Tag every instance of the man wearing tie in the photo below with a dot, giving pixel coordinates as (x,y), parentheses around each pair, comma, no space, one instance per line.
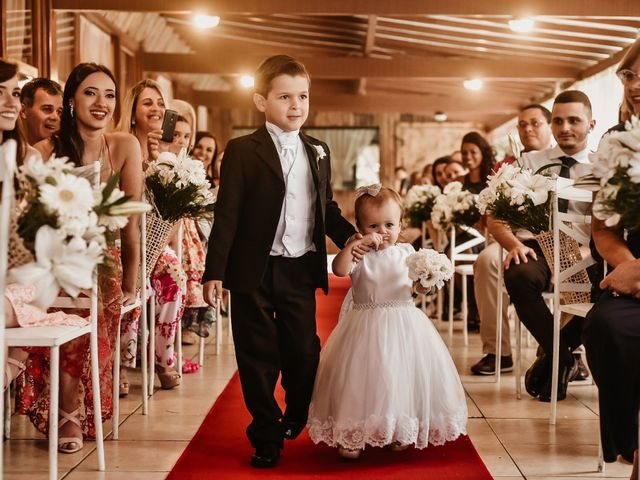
(527,274)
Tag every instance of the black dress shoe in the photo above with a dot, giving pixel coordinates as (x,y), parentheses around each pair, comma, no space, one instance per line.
(565,375)
(291,429)
(266,456)
(583,371)
(487,365)
(537,375)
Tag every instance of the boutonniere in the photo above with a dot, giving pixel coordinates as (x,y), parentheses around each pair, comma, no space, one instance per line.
(320,153)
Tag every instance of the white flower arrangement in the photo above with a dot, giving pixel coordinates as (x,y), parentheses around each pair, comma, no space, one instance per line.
(62,222)
(429,268)
(178,187)
(454,207)
(320,153)
(518,197)
(418,203)
(616,165)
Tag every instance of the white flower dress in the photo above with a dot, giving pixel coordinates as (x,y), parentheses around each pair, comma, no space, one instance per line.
(385,375)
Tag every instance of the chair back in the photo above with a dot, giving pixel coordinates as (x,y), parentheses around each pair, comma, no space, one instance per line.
(571,282)
(457,249)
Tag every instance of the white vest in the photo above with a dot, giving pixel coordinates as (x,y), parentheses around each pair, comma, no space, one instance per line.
(294,235)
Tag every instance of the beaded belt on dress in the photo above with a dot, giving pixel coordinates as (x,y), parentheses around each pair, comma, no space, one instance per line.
(389,304)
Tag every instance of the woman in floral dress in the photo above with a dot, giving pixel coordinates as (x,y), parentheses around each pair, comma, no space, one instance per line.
(89,102)
(142,115)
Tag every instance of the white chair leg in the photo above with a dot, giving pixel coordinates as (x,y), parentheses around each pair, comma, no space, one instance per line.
(465,311)
(499,319)
(144,351)
(218,329)
(518,372)
(555,370)
(7,412)
(230,331)
(439,305)
(201,352)
(152,341)
(95,379)
(53,412)
(115,419)
(179,346)
(601,464)
(451,294)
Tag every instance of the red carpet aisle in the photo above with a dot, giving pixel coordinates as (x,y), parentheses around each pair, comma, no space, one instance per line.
(220,450)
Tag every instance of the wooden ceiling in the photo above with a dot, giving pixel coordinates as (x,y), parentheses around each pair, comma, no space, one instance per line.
(383,56)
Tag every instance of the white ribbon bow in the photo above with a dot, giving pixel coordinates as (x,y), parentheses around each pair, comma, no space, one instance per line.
(372,190)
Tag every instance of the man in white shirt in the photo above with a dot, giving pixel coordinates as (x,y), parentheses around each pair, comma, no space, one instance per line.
(527,274)
(534,130)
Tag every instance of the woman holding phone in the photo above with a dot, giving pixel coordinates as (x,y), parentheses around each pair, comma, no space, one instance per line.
(142,115)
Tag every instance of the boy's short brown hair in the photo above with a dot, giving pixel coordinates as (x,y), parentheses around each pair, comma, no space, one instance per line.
(275,66)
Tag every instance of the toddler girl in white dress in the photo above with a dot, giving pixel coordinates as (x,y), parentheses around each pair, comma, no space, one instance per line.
(385,376)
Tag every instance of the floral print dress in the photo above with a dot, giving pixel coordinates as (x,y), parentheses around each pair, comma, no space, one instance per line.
(169,284)
(32,396)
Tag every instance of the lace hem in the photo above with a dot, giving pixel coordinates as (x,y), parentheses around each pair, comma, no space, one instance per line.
(389,304)
(379,431)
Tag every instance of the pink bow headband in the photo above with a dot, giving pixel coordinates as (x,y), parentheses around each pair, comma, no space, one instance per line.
(372,190)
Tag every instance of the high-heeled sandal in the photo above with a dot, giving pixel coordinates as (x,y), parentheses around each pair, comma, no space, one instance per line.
(69,444)
(9,376)
(124,384)
(169,378)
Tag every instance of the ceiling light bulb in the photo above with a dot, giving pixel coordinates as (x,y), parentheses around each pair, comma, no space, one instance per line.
(440,117)
(247,81)
(521,25)
(473,84)
(206,21)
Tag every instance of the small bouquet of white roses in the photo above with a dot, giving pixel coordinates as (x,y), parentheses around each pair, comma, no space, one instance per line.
(58,232)
(178,187)
(616,165)
(429,269)
(419,202)
(518,197)
(455,207)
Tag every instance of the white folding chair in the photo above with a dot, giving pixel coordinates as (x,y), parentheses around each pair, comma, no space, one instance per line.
(567,224)
(8,153)
(464,270)
(53,337)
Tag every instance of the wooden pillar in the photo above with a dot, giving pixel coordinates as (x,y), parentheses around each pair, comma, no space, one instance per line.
(43,38)
(3,29)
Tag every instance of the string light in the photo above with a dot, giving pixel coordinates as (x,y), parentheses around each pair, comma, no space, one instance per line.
(206,21)
(473,84)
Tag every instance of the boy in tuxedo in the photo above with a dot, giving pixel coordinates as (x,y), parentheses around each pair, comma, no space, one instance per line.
(267,246)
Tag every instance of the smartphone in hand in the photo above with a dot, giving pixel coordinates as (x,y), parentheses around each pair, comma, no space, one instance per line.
(169,125)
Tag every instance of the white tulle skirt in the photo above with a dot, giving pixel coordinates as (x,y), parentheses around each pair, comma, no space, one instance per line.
(386,376)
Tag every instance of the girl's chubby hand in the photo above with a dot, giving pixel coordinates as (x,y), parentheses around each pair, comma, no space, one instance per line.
(374,240)
(420,289)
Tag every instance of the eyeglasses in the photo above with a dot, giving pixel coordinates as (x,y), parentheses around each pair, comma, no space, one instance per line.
(533,123)
(627,76)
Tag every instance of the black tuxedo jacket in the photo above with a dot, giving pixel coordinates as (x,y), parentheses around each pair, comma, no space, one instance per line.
(248,208)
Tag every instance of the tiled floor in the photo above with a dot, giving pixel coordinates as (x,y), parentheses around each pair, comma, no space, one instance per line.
(513,436)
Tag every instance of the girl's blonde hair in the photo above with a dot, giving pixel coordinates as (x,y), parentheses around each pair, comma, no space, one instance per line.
(185,110)
(384,195)
(126,123)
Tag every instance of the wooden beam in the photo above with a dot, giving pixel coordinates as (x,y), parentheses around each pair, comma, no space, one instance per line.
(232,63)
(370,40)
(369,7)
(372,103)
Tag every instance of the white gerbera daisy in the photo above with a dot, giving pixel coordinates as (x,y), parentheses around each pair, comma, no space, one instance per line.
(71,196)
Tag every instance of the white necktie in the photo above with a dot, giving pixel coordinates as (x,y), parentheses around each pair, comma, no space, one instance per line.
(288,144)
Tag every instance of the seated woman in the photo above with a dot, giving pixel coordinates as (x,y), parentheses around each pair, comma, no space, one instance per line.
(611,332)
